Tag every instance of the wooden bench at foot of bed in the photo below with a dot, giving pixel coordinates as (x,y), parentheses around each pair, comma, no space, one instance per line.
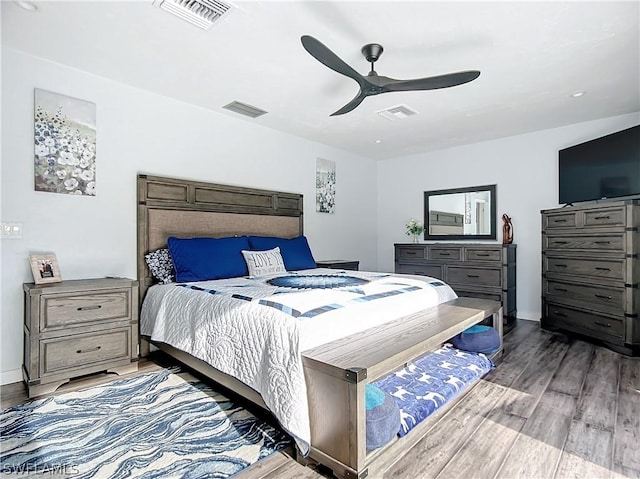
(336,374)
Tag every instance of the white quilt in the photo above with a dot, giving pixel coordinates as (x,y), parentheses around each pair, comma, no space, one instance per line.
(256,332)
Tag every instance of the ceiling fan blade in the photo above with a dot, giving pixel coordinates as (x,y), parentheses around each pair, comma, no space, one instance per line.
(430,83)
(321,52)
(351,105)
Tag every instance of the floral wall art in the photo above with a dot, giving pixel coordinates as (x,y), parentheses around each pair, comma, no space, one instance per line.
(65,144)
(325,186)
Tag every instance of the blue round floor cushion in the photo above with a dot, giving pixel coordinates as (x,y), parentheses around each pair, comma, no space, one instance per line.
(477,339)
(324,281)
(382,417)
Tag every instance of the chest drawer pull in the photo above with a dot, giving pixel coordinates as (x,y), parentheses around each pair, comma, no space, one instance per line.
(559,221)
(90,350)
(473,276)
(483,254)
(90,308)
(561,242)
(606,325)
(601,217)
(598,268)
(603,242)
(561,266)
(444,254)
(560,289)
(558,313)
(603,296)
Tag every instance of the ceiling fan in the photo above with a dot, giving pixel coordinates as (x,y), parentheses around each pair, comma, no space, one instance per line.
(374,84)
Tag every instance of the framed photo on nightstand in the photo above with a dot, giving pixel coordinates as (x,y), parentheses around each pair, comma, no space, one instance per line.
(44,267)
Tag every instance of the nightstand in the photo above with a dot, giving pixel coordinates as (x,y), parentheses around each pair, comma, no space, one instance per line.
(78,327)
(339,264)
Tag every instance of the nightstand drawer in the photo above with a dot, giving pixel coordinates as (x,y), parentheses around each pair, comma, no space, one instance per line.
(70,352)
(474,276)
(66,310)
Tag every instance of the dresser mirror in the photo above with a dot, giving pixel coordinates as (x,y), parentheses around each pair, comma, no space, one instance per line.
(460,213)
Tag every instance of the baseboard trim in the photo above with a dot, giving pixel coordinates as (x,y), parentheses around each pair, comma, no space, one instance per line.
(11,376)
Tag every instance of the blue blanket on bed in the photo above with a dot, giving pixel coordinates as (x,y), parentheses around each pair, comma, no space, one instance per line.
(426,384)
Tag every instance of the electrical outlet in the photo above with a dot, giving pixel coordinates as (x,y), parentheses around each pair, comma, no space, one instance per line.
(11,230)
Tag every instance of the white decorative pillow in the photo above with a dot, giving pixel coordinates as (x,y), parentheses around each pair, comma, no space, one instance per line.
(260,263)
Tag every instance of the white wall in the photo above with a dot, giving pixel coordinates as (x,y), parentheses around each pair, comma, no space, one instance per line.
(140,132)
(525,169)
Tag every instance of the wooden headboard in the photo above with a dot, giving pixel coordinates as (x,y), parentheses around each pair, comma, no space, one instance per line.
(184,208)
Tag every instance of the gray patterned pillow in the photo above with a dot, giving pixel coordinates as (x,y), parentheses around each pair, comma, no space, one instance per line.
(160,265)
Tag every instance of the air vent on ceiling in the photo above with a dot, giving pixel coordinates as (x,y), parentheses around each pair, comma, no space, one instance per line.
(397,112)
(244,109)
(201,13)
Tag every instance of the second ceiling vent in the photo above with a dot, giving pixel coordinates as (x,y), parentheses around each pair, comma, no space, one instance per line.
(201,13)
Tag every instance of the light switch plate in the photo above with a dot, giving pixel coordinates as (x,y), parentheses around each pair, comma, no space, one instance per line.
(11,230)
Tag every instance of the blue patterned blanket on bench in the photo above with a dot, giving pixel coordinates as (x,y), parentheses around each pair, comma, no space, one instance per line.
(426,384)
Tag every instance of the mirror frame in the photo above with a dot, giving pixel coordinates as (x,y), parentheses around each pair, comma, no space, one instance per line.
(470,237)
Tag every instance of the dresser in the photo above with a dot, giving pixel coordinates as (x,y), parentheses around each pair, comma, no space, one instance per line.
(347,264)
(78,327)
(591,272)
(476,270)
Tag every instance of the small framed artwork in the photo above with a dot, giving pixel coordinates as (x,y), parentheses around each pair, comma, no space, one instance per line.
(44,267)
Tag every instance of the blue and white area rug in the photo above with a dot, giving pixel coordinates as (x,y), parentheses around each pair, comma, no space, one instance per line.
(156,425)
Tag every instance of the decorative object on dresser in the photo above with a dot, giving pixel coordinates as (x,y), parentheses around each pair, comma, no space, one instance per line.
(414,229)
(591,272)
(347,264)
(460,214)
(507,230)
(44,267)
(486,271)
(78,327)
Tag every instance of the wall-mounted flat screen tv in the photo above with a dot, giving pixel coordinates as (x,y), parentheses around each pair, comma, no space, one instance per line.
(607,167)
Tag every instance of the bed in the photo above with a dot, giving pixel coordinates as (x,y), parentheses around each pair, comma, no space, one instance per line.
(329,375)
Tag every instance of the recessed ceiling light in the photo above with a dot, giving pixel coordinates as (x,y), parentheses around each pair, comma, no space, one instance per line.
(577,94)
(27,5)
(378,141)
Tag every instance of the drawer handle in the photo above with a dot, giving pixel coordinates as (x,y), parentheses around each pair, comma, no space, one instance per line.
(473,276)
(90,350)
(444,254)
(421,273)
(560,289)
(606,325)
(603,242)
(483,254)
(601,218)
(602,269)
(558,313)
(603,296)
(560,242)
(411,253)
(90,308)
(559,221)
(561,266)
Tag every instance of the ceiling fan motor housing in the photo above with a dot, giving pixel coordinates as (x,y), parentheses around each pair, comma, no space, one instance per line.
(372,51)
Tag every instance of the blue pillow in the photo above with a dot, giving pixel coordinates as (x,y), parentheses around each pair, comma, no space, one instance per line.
(477,339)
(295,251)
(200,259)
(382,417)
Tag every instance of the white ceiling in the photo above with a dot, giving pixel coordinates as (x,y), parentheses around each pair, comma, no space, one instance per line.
(532,56)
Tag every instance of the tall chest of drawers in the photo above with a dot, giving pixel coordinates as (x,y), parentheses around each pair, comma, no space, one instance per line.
(78,327)
(591,272)
(476,270)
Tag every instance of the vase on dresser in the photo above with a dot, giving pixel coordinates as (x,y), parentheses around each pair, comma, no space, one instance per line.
(415,238)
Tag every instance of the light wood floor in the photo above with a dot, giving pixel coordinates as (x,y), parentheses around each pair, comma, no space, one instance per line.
(554,408)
